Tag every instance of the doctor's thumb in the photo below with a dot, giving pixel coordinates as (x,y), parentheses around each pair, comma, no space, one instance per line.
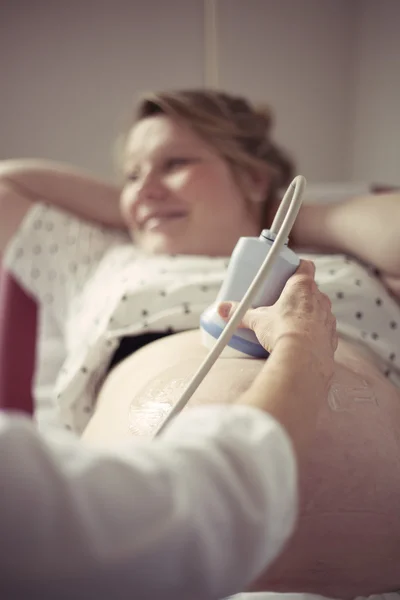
(226,310)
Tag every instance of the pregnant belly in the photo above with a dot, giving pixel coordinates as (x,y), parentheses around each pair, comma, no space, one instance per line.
(139,392)
(347,541)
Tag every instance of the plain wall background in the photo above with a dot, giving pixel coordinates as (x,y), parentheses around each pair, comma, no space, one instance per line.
(376,146)
(71,72)
(298,56)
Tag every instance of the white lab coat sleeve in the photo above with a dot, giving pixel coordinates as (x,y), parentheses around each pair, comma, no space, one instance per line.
(194,515)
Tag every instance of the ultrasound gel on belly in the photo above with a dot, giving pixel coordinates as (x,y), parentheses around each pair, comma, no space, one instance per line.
(148,411)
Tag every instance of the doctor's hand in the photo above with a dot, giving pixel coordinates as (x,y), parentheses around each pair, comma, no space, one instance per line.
(301,314)
(300,332)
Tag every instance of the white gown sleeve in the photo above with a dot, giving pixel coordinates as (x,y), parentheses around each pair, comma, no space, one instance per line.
(194,515)
(54,253)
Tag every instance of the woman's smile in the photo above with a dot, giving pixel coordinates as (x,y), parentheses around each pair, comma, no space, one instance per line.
(163,222)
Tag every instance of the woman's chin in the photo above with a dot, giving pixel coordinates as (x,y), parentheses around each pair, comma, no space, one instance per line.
(160,244)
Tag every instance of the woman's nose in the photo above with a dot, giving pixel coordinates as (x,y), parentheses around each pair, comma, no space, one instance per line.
(150,187)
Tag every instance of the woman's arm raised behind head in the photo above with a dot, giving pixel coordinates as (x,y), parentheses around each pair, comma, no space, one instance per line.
(23,182)
(366,227)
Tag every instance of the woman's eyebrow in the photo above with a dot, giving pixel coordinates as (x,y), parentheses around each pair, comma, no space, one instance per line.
(177,147)
(133,157)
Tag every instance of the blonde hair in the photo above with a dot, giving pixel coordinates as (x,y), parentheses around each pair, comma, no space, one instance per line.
(239,131)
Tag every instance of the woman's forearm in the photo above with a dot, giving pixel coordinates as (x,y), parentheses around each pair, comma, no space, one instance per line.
(291,387)
(366,227)
(65,187)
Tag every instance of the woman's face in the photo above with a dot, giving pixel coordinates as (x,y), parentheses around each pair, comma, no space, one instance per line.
(179,196)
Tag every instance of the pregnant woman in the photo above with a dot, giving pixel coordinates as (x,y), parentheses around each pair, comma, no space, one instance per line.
(200,171)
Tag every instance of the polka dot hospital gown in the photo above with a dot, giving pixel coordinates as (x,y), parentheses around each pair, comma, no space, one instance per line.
(92,287)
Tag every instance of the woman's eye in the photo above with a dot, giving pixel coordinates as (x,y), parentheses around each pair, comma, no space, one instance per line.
(174,163)
(133,176)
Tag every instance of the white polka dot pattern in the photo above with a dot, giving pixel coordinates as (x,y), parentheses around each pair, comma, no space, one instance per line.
(364,309)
